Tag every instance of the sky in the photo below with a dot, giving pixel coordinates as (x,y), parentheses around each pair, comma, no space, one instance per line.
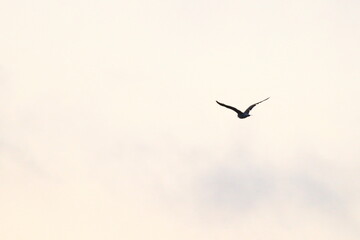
(109,127)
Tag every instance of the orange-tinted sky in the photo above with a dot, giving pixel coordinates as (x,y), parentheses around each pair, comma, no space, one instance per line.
(109,127)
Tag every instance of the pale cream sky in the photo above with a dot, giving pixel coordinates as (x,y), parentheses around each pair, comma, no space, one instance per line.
(109,127)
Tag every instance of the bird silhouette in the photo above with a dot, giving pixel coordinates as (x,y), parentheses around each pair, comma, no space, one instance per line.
(240,113)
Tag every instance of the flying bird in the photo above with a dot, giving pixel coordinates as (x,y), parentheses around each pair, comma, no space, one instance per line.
(240,113)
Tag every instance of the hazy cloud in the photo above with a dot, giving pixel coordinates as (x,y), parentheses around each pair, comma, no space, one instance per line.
(110,129)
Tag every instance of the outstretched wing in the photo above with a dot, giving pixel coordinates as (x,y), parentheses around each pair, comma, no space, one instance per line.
(230,107)
(252,106)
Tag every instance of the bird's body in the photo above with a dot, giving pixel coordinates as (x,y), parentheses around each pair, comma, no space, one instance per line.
(240,113)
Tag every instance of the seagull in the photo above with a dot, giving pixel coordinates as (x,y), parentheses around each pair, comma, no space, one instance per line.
(240,113)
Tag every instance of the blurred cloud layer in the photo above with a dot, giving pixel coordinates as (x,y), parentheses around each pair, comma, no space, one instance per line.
(110,129)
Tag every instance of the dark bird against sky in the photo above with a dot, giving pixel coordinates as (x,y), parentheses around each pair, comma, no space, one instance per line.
(240,113)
